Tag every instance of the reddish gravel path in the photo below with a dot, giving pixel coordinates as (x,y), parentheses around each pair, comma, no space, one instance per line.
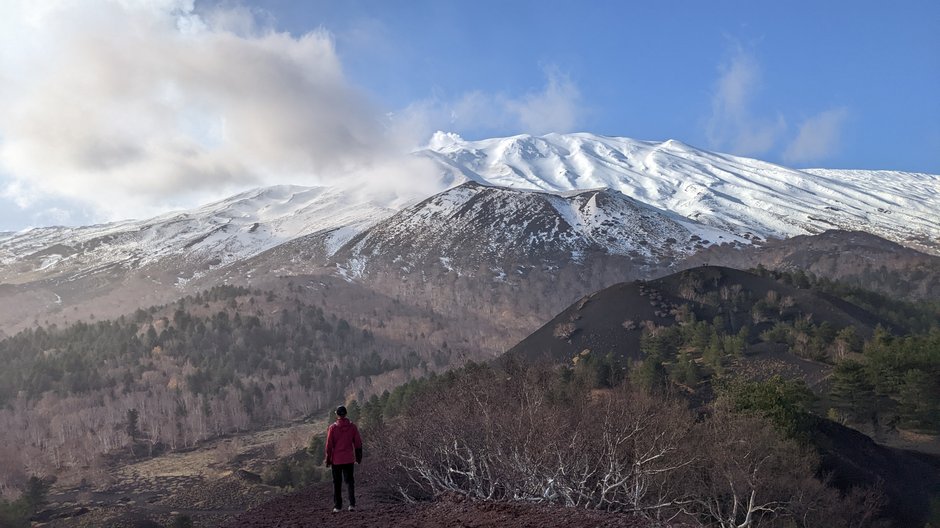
(311,508)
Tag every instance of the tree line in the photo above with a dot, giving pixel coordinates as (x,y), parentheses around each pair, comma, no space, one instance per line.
(226,360)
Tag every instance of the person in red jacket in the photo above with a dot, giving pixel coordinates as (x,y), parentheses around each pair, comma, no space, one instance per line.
(343,447)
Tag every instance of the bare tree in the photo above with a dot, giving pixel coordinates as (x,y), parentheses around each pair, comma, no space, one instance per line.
(617,451)
(522,438)
(750,474)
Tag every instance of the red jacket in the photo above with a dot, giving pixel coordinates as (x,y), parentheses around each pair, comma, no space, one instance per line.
(343,442)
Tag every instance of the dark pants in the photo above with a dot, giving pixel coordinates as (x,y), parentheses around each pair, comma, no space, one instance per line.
(343,472)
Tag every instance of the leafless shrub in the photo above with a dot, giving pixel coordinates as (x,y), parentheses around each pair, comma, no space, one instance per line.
(523,438)
(292,442)
(754,477)
(225,451)
(564,330)
(83,497)
(616,451)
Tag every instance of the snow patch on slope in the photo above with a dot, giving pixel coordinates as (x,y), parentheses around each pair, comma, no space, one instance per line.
(215,235)
(473,226)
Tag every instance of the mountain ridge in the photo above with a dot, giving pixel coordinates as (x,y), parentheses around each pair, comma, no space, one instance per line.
(677,199)
(490,226)
(738,194)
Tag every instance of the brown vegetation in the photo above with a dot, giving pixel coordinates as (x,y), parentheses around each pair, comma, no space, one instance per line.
(531,436)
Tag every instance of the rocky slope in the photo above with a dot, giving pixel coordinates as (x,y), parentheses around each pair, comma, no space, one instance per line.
(474,227)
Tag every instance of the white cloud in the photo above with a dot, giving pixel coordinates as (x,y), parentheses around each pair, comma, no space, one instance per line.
(134,106)
(557,108)
(818,137)
(554,107)
(733,124)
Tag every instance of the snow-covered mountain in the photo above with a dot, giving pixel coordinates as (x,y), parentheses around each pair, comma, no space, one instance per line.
(547,201)
(735,197)
(740,195)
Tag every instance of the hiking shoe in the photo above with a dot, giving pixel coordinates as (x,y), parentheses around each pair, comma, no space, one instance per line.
(336,510)
(352,508)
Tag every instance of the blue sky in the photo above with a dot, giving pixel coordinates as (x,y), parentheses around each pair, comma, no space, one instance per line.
(116,109)
(650,70)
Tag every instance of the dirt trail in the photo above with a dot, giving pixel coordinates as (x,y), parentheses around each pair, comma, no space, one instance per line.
(311,508)
(211,460)
(201,483)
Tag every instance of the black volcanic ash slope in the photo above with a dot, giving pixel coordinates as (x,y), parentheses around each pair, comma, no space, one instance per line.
(612,320)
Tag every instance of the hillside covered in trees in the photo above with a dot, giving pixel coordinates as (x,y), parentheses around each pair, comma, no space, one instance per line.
(738,388)
(867,356)
(226,360)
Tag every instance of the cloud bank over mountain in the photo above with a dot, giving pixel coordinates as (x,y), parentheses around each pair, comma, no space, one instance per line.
(122,105)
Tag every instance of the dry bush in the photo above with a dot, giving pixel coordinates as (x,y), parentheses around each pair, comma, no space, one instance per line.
(84,497)
(12,475)
(529,437)
(564,330)
(293,441)
(519,441)
(754,477)
(225,451)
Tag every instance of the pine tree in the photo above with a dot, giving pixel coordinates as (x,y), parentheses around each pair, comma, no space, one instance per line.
(131,426)
(919,400)
(354,410)
(37,489)
(317,448)
(852,392)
